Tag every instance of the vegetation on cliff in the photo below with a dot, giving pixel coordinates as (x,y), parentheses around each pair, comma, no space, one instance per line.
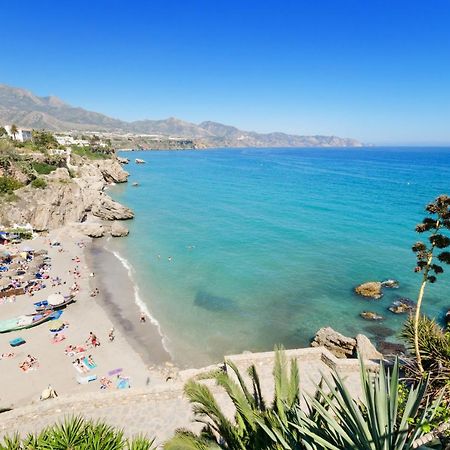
(435,224)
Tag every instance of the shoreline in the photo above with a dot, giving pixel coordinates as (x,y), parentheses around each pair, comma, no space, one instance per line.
(119,302)
(136,350)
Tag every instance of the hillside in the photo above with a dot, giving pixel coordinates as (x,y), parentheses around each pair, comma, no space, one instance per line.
(27,110)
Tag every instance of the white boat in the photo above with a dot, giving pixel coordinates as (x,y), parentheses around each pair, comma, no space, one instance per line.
(139,161)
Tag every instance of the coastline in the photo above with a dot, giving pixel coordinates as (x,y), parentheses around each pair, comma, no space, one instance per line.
(118,300)
(136,349)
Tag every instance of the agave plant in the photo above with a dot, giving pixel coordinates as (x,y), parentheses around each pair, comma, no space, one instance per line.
(77,433)
(374,422)
(252,415)
(434,345)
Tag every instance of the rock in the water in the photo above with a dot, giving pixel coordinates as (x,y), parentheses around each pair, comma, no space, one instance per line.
(341,346)
(108,209)
(371,289)
(370,315)
(123,160)
(92,229)
(118,230)
(391,348)
(402,305)
(366,349)
(391,284)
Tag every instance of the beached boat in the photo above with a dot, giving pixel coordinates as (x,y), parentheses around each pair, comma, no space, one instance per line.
(54,302)
(139,161)
(26,321)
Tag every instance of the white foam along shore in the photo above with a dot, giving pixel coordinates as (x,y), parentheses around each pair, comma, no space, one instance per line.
(133,344)
(137,298)
(122,301)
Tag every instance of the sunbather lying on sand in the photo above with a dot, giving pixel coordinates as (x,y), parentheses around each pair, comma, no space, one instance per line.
(105,383)
(80,366)
(72,350)
(30,363)
(58,338)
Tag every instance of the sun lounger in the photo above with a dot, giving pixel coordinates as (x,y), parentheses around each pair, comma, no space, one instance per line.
(114,372)
(86,380)
(78,368)
(87,364)
(123,383)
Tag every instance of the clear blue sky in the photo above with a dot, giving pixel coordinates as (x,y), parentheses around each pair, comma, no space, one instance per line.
(378,71)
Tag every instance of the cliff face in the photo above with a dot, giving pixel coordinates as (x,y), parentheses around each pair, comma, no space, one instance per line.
(66,200)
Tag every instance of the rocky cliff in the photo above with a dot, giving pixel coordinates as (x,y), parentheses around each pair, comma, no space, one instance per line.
(73,197)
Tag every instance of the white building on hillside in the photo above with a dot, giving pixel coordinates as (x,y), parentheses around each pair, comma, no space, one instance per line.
(21,135)
(64,139)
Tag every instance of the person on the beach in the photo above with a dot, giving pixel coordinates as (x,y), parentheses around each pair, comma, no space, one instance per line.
(142,318)
(94,341)
(111,335)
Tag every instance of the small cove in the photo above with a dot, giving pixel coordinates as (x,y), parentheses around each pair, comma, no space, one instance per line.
(241,249)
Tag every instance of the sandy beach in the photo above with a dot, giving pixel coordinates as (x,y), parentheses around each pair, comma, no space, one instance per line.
(135,355)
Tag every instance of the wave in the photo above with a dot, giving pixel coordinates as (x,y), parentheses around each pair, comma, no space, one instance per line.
(138,300)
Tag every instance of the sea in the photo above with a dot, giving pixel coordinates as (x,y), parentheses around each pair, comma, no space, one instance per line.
(236,250)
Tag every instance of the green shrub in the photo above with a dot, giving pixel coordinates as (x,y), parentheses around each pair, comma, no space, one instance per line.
(43,168)
(78,434)
(44,140)
(39,183)
(89,153)
(9,184)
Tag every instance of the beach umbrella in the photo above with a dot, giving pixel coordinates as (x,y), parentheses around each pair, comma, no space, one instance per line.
(55,299)
(26,249)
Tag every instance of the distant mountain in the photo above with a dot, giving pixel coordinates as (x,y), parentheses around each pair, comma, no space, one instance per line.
(27,110)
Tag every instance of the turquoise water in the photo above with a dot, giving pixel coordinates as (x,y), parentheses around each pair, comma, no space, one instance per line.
(267,244)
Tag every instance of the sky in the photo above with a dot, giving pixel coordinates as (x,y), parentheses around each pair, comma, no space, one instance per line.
(374,70)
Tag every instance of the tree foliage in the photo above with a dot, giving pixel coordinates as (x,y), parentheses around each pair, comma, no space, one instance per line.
(44,140)
(435,224)
(434,345)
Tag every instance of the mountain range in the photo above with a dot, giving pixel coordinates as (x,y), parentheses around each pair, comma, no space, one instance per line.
(28,110)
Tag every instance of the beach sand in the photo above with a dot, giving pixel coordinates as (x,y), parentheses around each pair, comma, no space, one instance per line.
(136,348)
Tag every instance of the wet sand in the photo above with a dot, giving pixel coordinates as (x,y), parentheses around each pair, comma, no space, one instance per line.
(117,300)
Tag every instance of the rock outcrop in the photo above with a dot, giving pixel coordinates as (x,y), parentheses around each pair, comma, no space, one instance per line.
(391,284)
(370,289)
(92,229)
(365,348)
(118,230)
(341,346)
(370,315)
(112,171)
(106,208)
(66,200)
(402,305)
